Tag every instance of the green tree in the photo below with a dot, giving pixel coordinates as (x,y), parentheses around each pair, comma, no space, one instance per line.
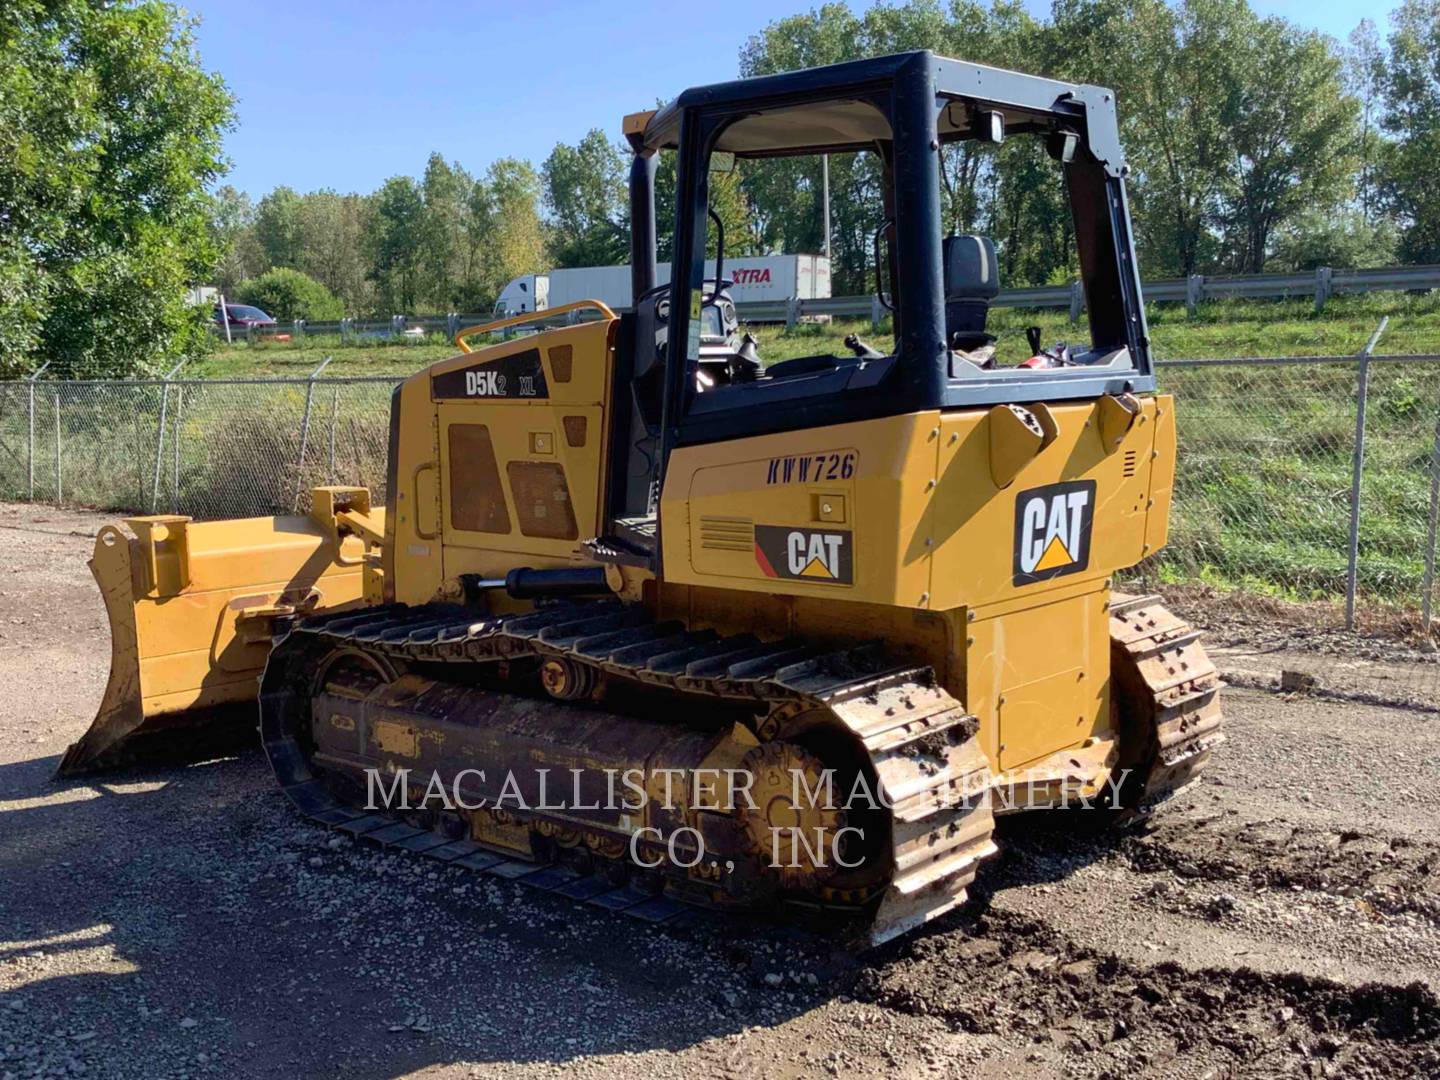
(277,227)
(286,294)
(585,196)
(1365,71)
(110,134)
(447,190)
(395,242)
(1339,238)
(1170,68)
(506,236)
(1233,125)
(331,230)
(232,228)
(1291,131)
(1412,119)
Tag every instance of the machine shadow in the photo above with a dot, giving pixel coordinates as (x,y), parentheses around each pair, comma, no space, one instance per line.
(195,891)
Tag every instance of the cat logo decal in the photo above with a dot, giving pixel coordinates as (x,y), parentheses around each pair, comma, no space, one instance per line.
(819,555)
(1052,530)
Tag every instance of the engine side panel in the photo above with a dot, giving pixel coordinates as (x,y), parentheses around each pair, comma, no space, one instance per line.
(838,512)
(500,459)
(908,510)
(1017,573)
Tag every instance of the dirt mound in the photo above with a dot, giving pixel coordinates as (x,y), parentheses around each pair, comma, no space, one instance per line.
(1105,1017)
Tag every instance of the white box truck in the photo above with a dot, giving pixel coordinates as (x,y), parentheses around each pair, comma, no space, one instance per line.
(767,278)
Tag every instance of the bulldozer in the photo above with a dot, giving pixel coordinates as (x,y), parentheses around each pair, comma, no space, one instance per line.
(655,624)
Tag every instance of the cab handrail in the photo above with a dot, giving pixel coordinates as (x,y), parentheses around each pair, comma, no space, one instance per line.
(527,317)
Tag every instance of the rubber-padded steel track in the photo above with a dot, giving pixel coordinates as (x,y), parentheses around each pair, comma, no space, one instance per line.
(1168,682)
(920,741)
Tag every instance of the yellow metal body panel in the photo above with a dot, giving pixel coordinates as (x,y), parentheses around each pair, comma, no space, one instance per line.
(926,524)
(560,438)
(1037,672)
(190,607)
(880,470)
(413,565)
(975,521)
(935,567)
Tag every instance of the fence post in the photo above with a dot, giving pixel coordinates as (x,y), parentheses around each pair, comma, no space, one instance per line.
(1077,301)
(334,417)
(877,313)
(305,430)
(1362,392)
(452,325)
(175,469)
(1322,287)
(160,435)
(159,448)
(1427,601)
(30,447)
(792,312)
(59,490)
(299,330)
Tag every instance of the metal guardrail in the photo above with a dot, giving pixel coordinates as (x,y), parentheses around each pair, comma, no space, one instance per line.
(1321,284)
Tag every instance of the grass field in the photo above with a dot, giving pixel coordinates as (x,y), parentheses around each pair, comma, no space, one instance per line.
(1228,329)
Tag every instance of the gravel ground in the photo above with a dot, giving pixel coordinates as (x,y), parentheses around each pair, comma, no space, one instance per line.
(1282,920)
(1389,658)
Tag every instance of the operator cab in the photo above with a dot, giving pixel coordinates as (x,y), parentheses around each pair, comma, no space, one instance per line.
(725,356)
(693,378)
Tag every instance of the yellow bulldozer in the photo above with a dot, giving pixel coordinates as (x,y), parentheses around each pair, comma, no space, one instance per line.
(651,623)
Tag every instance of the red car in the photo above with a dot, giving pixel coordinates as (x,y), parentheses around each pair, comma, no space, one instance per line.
(243,315)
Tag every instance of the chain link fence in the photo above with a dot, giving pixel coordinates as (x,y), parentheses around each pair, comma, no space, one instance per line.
(1265,493)
(1303,533)
(208,448)
(1266,500)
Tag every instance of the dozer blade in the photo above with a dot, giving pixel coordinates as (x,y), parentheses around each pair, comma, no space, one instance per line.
(191,608)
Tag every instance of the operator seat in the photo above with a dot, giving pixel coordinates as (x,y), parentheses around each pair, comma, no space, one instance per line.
(972,280)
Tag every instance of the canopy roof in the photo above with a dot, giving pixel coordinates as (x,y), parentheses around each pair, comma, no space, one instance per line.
(833,109)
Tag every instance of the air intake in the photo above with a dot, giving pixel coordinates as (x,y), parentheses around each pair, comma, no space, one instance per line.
(727,533)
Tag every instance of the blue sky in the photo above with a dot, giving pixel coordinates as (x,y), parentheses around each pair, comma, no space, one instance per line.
(343,95)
